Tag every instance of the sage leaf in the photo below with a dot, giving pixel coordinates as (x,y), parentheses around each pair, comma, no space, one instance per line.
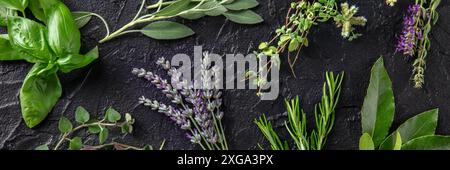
(242,4)
(103,135)
(39,93)
(75,143)
(192,15)
(112,115)
(64,36)
(19,5)
(75,61)
(431,142)
(167,30)
(29,37)
(175,8)
(64,125)
(377,112)
(365,142)
(81,115)
(81,18)
(42,148)
(243,17)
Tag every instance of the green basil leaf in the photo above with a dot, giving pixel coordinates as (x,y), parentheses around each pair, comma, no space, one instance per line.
(47,6)
(75,61)
(39,94)
(64,36)
(42,148)
(377,112)
(64,125)
(242,4)
(75,143)
(81,18)
(14,4)
(7,52)
(431,142)
(175,8)
(103,135)
(37,10)
(112,115)
(29,37)
(365,142)
(4,13)
(81,115)
(167,30)
(243,17)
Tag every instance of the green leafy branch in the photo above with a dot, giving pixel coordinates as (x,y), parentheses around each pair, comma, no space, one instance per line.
(235,10)
(95,127)
(324,118)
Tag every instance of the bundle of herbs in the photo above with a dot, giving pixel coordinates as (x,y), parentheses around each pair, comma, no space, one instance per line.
(197,110)
(237,11)
(302,16)
(377,115)
(414,40)
(324,114)
(52,47)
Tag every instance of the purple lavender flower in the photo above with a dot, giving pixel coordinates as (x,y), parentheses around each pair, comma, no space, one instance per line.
(411,32)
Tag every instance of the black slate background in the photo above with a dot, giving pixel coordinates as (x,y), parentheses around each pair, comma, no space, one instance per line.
(108,81)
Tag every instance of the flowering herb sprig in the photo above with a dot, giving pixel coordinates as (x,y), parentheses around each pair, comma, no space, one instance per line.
(301,17)
(111,119)
(414,40)
(197,110)
(391,2)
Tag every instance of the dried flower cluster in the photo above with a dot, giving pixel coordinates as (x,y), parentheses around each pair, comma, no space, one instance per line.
(197,111)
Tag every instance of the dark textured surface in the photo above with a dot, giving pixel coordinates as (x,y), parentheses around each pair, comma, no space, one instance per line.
(108,82)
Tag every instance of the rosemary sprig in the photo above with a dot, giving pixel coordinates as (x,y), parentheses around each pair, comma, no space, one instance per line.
(296,125)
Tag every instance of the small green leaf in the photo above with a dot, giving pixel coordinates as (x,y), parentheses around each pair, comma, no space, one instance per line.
(42,148)
(243,17)
(293,45)
(431,142)
(103,135)
(126,128)
(81,115)
(242,4)
(37,10)
(63,34)
(377,112)
(71,62)
(219,10)
(112,115)
(65,125)
(167,30)
(19,5)
(175,8)
(365,142)
(148,147)
(7,52)
(192,15)
(75,144)
(81,18)
(94,129)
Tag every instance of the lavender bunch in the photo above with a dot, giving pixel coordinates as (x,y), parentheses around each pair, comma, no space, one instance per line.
(414,40)
(195,110)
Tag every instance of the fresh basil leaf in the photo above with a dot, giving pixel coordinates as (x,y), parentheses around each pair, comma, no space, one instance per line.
(7,52)
(47,6)
(64,125)
(175,8)
(81,18)
(431,142)
(75,143)
(29,37)
(42,148)
(37,10)
(365,142)
(243,17)
(81,115)
(3,16)
(14,4)
(377,112)
(167,30)
(112,115)
(103,135)
(64,36)
(75,61)
(242,4)
(39,94)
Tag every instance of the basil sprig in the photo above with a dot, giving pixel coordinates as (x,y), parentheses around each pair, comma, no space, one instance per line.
(52,47)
